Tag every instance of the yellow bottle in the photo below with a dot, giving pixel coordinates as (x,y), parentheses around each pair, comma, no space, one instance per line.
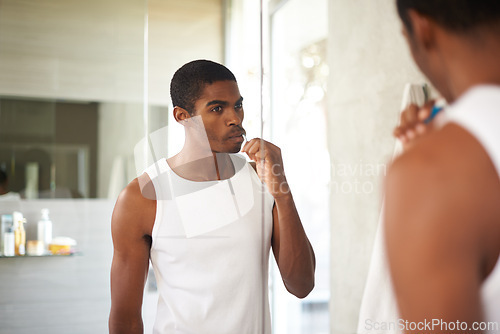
(20,238)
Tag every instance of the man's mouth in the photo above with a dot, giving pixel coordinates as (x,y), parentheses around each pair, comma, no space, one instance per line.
(237,136)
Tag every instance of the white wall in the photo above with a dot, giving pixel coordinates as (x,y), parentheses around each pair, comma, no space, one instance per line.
(181,31)
(94,49)
(369,66)
(84,50)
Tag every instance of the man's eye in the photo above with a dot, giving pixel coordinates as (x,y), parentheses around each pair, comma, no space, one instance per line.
(217,109)
(238,106)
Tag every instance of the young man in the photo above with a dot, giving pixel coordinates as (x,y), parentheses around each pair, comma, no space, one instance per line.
(206,222)
(442,207)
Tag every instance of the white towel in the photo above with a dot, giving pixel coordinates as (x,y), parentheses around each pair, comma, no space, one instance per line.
(379,313)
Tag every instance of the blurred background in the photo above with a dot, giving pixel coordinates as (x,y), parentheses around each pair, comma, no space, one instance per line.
(82,82)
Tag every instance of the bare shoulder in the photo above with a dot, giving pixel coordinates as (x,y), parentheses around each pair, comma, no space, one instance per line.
(442,198)
(135,207)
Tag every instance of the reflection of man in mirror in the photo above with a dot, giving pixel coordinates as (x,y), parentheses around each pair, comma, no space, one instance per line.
(207,220)
(5,194)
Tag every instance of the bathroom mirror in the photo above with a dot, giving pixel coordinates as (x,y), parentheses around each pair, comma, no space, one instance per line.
(81,83)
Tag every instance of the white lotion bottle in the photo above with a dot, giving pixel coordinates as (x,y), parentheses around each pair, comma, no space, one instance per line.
(45,230)
(9,242)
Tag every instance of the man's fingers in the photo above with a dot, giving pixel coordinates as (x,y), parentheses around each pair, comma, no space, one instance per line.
(260,155)
(420,129)
(409,115)
(255,146)
(399,132)
(411,125)
(426,110)
(408,120)
(424,113)
(255,149)
(248,145)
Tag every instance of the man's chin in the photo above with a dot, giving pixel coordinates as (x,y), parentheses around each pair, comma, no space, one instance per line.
(234,149)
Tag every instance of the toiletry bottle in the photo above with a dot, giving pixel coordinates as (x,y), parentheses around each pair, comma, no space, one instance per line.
(45,230)
(16,216)
(8,242)
(5,222)
(20,238)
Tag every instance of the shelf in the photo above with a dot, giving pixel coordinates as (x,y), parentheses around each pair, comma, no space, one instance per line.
(31,256)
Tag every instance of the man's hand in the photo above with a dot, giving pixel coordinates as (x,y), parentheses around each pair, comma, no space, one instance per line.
(291,247)
(269,165)
(412,124)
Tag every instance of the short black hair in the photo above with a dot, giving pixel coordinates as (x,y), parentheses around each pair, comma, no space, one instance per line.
(189,81)
(456,15)
(3,176)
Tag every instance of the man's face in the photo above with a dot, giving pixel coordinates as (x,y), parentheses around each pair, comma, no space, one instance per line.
(221,109)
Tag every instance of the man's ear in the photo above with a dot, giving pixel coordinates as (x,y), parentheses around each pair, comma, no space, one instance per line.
(181,115)
(423,32)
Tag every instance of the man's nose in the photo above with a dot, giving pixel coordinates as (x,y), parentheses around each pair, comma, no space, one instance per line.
(234,118)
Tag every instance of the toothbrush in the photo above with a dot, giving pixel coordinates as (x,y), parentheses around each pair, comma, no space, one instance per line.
(439,105)
(435,110)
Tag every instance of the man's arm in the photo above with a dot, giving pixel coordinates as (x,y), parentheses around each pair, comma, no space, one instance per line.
(440,228)
(131,224)
(291,247)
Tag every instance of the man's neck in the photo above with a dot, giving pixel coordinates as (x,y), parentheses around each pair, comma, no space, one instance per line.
(207,167)
(470,63)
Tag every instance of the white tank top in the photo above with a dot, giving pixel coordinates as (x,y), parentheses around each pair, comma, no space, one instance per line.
(477,111)
(210,252)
